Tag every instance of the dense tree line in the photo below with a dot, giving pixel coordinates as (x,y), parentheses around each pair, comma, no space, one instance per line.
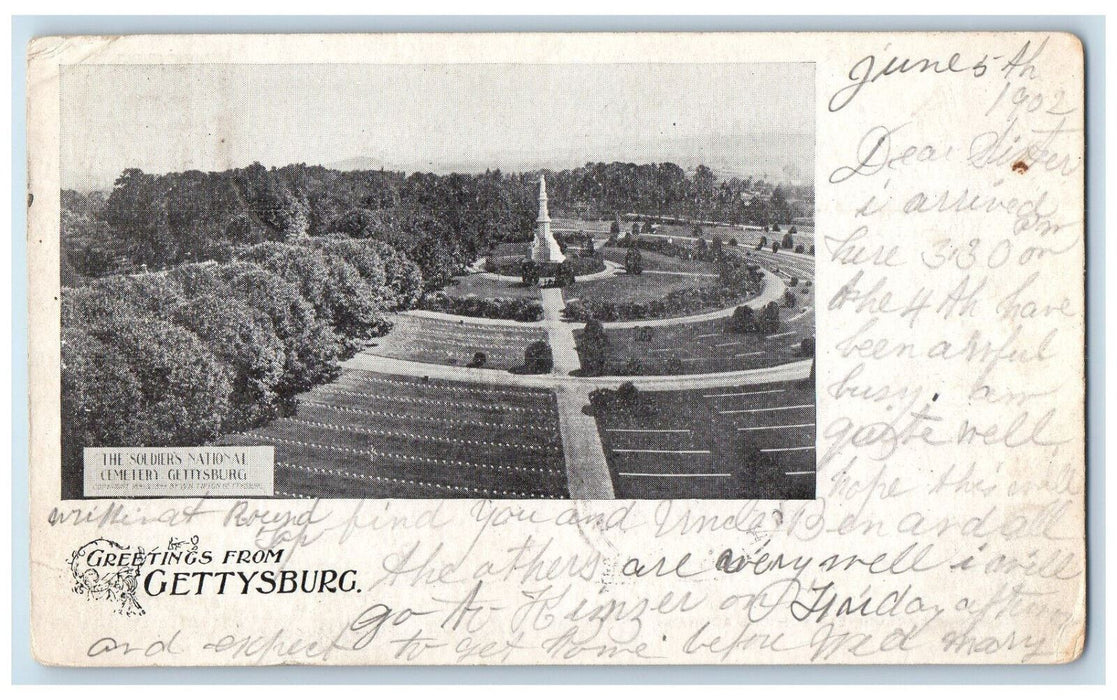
(183,356)
(441,222)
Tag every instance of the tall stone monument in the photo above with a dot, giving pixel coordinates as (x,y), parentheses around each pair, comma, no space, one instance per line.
(544,249)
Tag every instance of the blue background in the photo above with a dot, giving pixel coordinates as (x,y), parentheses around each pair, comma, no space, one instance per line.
(1090,668)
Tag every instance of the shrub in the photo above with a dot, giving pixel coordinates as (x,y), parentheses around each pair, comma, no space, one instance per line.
(585,265)
(529,273)
(732,242)
(594,348)
(769,321)
(799,248)
(743,320)
(633,261)
(681,302)
(793,282)
(775,246)
(674,365)
(625,398)
(538,358)
(564,274)
(632,366)
(479,360)
(789,299)
(806,347)
(627,395)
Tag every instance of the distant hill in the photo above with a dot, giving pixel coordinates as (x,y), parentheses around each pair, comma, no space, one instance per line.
(774,156)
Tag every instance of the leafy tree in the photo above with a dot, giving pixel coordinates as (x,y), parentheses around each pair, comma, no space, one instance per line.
(634,261)
(404,280)
(310,347)
(775,246)
(788,242)
(365,259)
(184,389)
(564,274)
(806,348)
(101,398)
(529,273)
(244,339)
(769,321)
(716,247)
(594,348)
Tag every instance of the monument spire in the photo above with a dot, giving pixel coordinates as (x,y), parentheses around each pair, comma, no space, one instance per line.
(544,249)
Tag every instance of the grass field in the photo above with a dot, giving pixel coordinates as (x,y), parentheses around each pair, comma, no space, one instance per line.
(633,288)
(657,262)
(693,444)
(708,346)
(445,342)
(477,285)
(561,224)
(746,237)
(370,435)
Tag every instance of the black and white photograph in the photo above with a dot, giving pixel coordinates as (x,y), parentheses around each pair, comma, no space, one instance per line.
(656,349)
(484,281)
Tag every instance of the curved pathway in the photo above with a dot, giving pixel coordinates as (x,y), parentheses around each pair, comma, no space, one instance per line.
(774,288)
(587,471)
(611,269)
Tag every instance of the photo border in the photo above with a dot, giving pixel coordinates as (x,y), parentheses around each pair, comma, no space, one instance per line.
(1088,669)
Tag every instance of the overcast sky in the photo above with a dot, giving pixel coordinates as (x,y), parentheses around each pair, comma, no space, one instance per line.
(743,118)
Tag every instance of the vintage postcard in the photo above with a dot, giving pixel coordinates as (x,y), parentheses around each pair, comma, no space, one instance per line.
(557,349)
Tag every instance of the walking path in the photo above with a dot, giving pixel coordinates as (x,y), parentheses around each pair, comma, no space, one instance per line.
(560,334)
(587,472)
(611,269)
(496,377)
(774,288)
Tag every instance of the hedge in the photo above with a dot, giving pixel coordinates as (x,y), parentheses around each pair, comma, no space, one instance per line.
(506,308)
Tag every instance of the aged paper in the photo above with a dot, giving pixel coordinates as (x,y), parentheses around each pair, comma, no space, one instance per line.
(557,349)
